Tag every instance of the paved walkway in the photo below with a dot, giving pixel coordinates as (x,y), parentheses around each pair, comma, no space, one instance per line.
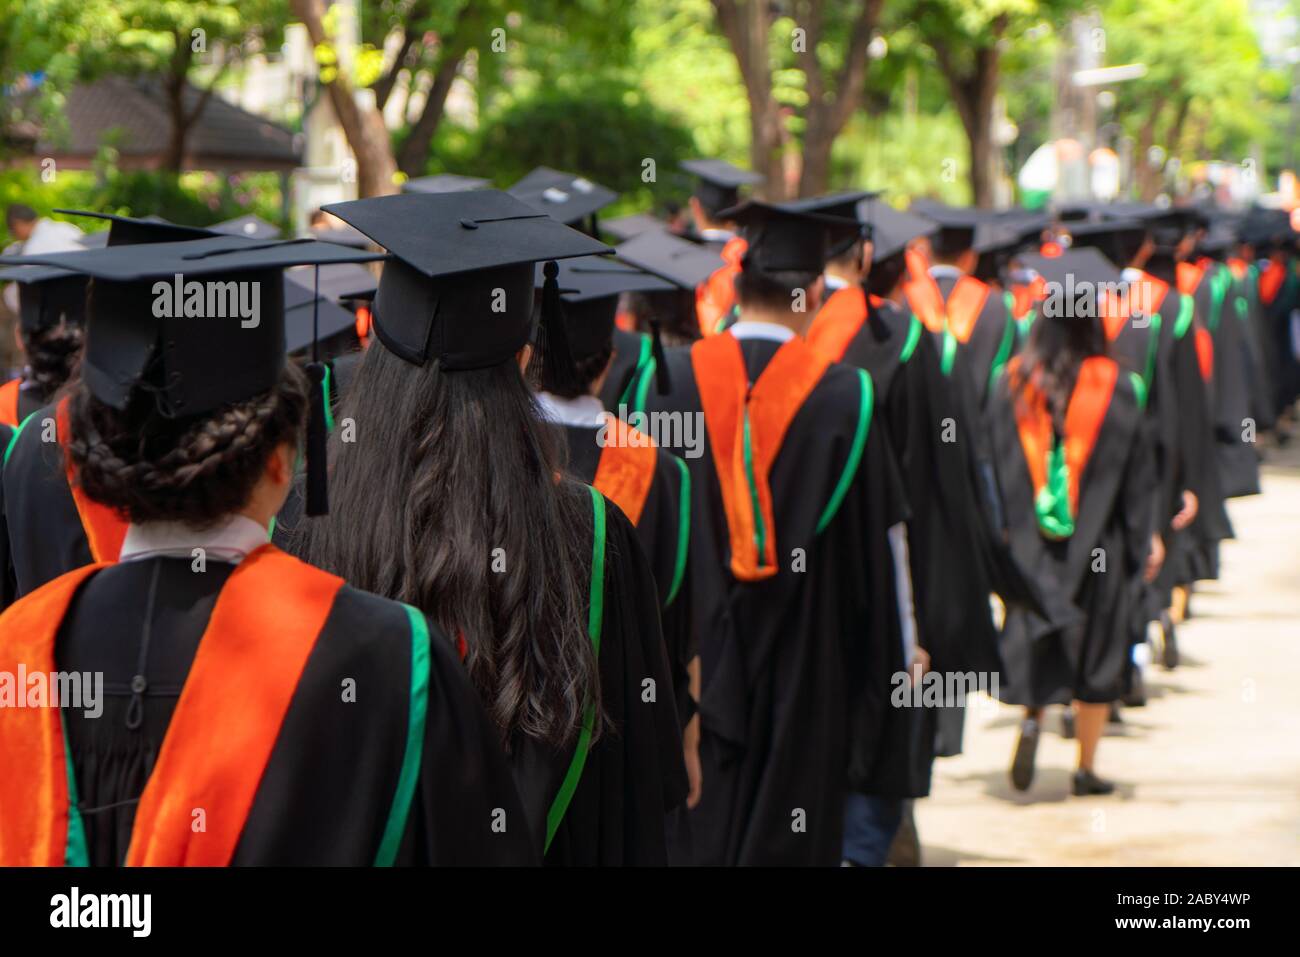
(1209,771)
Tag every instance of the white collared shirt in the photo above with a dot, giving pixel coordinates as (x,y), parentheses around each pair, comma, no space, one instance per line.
(833,283)
(717,235)
(771,331)
(944,271)
(585,410)
(230,540)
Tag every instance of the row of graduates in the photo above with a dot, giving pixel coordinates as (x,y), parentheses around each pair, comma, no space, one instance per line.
(781,562)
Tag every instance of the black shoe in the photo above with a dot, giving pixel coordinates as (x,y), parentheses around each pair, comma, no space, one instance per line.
(1136,697)
(1022,764)
(1169,656)
(1086,783)
(1114,717)
(1067,722)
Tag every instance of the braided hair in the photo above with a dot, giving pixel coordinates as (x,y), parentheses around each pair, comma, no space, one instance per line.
(195,469)
(53,353)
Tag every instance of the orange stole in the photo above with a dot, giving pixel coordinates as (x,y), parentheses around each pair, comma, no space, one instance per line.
(732,412)
(1188,276)
(34,803)
(1084,415)
(1205,353)
(958,314)
(1271,278)
(104,528)
(716,295)
(263,628)
(627,468)
(838,321)
(1238,268)
(9,402)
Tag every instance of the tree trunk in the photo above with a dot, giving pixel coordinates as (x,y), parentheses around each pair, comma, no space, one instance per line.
(174,88)
(746,25)
(364,128)
(829,110)
(415,151)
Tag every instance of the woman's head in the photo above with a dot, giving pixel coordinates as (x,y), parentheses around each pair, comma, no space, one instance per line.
(445,494)
(1057,346)
(198,469)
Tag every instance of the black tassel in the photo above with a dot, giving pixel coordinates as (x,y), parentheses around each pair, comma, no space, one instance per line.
(558,373)
(318,500)
(663,384)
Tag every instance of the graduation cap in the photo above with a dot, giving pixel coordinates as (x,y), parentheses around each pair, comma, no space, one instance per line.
(460,285)
(717,182)
(338,282)
(1074,267)
(628,227)
(342,236)
(565,197)
(47,295)
(956,223)
(445,183)
(1118,239)
(198,324)
(783,237)
(842,205)
(130,231)
(589,288)
(683,263)
(1265,228)
(890,229)
(251,225)
(999,238)
(310,314)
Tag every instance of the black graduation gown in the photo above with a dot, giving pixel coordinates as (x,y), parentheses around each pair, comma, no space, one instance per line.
(792,665)
(1080,647)
(1233,398)
(950,580)
(632,353)
(325,796)
(993,337)
(45,534)
(1286,366)
(664,532)
(635,773)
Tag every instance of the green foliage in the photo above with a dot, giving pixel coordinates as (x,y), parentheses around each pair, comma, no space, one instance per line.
(601,130)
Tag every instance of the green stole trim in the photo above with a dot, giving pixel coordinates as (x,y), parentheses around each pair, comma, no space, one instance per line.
(683,531)
(1027,323)
(914,330)
(1220,280)
(642,358)
(643,385)
(75,853)
(1153,346)
(1004,350)
(1139,387)
(865,405)
(326,390)
(949,356)
(1186,310)
(416,719)
(13,439)
(595,618)
(760,530)
(1052,503)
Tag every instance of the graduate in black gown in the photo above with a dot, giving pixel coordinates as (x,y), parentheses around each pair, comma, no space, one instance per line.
(650,486)
(798,551)
(52,307)
(1075,466)
(50,527)
(450,497)
(253,709)
(861,323)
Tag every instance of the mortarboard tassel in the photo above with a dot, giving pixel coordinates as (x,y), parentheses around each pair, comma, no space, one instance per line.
(663,384)
(318,502)
(318,498)
(558,374)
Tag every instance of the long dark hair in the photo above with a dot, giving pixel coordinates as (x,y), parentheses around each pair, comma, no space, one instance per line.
(449,473)
(1057,346)
(196,469)
(53,355)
